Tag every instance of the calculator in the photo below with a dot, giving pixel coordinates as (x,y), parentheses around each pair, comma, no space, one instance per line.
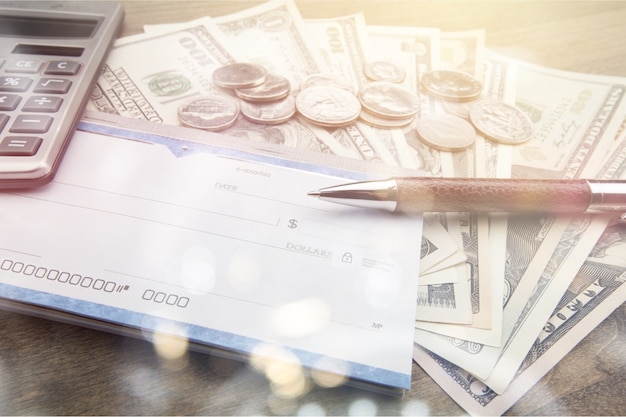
(51,54)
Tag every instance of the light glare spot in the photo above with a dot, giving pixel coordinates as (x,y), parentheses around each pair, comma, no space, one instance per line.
(168,341)
(198,270)
(362,407)
(311,409)
(282,368)
(301,318)
(380,289)
(415,408)
(329,372)
(244,273)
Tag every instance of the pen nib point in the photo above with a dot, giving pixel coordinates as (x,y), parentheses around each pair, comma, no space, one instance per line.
(313,193)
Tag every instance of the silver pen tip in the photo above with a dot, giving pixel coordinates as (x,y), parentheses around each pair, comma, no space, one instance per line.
(314,193)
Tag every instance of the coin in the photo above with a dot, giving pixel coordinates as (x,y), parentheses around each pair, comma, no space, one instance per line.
(389,100)
(320,79)
(458,108)
(213,113)
(501,122)
(269,113)
(384,71)
(452,85)
(239,75)
(383,122)
(275,87)
(328,106)
(445,132)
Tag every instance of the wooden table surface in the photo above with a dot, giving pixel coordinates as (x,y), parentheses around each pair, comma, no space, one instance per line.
(59,369)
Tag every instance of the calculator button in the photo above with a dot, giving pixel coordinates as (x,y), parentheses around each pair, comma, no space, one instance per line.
(62,68)
(25,66)
(42,104)
(9,101)
(52,86)
(15,84)
(20,146)
(3,121)
(31,123)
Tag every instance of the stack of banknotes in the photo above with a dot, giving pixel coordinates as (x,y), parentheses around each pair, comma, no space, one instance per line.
(502,298)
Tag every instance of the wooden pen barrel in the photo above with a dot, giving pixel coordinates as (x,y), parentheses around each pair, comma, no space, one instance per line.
(492,195)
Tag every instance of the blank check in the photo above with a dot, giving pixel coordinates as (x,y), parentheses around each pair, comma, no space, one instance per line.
(217,250)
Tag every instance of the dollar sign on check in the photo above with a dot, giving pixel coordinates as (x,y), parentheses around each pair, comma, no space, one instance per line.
(293,223)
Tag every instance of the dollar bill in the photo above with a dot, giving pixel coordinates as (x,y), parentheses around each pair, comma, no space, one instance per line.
(153,87)
(482,239)
(344,45)
(439,250)
(272,34)
(597,289)
(463,51)
(558,257)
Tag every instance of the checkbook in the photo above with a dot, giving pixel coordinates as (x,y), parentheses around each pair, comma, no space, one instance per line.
(149,234)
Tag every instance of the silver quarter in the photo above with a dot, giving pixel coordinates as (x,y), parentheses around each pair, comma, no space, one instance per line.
(458,108)
(239,75)
(445,132)
(270,113)
(389,100)
(275,87)
(384,71)
(213,113)
(501,122)
(384,122)
(328,106)
(452,85)
(319,79)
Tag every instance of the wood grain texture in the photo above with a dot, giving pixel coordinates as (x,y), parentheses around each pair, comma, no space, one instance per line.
(50,368)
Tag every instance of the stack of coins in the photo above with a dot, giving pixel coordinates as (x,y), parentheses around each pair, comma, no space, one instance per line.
(385,103)
(460,95)
(263,98)
(268,99)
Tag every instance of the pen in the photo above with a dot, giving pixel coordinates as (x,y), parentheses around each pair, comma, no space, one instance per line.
(424,194)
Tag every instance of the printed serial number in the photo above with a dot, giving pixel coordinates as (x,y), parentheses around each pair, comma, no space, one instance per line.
(161,297)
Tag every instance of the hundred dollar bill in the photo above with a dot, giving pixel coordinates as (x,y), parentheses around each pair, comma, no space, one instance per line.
(439,250)
(601,103)
(416,51)
(177,62)
(273,35)
(463,51)
(174,66)
(491,160)
(544,273)
(596,291)
(344,46)
(483,239)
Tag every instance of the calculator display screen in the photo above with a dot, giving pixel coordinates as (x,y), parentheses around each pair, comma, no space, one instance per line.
(27,26)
